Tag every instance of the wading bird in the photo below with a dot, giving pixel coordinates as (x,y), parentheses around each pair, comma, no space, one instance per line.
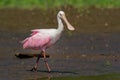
(41,39)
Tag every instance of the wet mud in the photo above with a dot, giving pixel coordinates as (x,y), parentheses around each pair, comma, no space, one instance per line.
(92,49)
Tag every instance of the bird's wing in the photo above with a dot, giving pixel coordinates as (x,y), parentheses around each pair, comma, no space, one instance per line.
(37,41)
(34,31)
(42,31)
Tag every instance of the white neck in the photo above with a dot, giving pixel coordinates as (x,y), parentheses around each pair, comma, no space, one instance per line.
(60,24)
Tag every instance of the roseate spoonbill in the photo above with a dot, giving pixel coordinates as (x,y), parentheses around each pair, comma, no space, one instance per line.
(41,39)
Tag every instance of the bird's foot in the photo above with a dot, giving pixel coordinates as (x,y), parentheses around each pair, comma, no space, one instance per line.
(49,70)
(33,69)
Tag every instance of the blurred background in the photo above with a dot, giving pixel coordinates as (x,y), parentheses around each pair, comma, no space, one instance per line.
(43,4)
(92,49)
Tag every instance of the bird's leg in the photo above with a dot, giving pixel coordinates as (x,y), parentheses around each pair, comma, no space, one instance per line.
(46,63)
(36,65)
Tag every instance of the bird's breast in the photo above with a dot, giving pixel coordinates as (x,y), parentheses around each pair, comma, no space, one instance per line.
(54,39)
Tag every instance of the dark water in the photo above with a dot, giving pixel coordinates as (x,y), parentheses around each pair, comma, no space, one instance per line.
(79,53)
(72,55)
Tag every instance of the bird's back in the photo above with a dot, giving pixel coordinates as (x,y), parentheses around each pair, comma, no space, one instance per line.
(41,38)
(37,41)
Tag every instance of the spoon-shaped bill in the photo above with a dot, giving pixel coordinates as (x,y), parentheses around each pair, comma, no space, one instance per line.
(69,26)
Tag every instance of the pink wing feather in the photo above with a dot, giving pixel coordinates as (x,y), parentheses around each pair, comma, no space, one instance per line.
(36,41)
(34,31)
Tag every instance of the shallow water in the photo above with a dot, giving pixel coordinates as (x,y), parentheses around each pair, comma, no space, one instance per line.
(76,54)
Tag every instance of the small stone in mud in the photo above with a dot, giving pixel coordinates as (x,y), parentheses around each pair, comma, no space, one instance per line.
(106,45)
(67,57)
(83,55)
(92,47)
(106,24)
(107,63)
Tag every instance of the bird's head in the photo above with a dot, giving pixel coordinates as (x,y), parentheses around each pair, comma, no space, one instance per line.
(61,15)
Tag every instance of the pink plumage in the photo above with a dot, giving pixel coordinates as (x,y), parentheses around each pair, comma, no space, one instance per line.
(41,39)
(37,41)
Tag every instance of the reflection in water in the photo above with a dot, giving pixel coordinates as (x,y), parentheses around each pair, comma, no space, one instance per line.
(52,74)
(43,78)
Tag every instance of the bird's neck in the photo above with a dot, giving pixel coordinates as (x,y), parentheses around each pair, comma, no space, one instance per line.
(60,25)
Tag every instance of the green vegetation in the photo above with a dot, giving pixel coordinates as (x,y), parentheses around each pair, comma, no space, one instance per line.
(55,3)
(98,77)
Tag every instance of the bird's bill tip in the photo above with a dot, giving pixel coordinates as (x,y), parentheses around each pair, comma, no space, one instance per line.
(70,27)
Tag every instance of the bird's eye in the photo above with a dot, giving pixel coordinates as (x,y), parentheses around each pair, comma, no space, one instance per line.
(60,14)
